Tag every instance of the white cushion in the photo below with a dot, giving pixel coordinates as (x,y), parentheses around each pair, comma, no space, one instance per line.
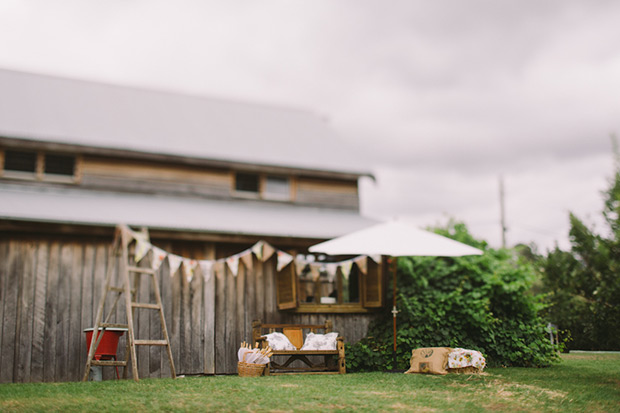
(278,341)
(320,341)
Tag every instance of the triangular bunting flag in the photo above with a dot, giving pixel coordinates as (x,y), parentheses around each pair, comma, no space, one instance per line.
(157,258)
(175,262)
(248,261)
(375,258)
(284,259)
(142,248)
(362,263)
(300,265)
(331,269)
(315,271)
(257,249)
(219,267)
(206,268)
(233,264)
(189,266)
(268,251)
(142,244)
(345,267)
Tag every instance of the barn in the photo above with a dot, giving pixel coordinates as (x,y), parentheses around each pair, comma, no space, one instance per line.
(207,179)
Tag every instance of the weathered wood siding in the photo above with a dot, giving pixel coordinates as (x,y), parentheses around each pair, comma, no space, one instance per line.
(49,291)
(324,192)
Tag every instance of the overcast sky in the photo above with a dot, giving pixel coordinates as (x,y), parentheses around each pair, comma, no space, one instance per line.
(447,96)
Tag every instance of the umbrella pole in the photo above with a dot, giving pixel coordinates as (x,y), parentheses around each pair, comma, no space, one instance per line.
(394,310)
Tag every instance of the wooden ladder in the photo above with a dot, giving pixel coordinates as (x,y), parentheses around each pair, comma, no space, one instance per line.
(127,268)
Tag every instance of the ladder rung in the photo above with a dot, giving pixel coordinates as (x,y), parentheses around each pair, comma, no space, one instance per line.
(150,342)
(141,270)
(113,325)
(146,305)
(120,290)
(108,363)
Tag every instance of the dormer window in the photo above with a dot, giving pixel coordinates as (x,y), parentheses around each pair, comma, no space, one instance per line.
(263,186)
(32,165)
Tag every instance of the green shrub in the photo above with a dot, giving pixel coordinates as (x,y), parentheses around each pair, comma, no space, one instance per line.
(476,302)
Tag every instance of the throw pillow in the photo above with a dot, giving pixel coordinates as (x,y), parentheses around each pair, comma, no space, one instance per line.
(320,341)
(433,360)
(278,341)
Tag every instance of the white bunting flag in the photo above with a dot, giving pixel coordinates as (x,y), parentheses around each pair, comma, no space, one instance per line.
(189,266)
(233,264)
(257,249)
(284,259)
(300,264)
(375,258)
(158,256)
(268,251)
(220,267)
(362,263)
(142,248)
(246,257)
(175,262)
(331,269)
(345,267)
(315,271)
(206,268)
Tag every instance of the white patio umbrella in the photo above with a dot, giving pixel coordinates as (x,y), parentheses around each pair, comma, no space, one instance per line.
(394,239)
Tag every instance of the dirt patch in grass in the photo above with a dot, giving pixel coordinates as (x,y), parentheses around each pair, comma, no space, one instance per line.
(289,385)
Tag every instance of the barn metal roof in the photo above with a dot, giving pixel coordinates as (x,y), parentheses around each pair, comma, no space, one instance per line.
(53,109)
(76,206)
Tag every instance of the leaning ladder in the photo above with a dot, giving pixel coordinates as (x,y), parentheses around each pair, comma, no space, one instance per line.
(127,269)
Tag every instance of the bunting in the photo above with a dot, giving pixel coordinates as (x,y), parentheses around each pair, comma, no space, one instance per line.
(362,263)
(233,264)
(345,267)
(332,270)
(284,259)
(219,267)
(142,247)
(157,258)
(175,262)
(268,251)
(206,268)
(315,271)
(246,258)
(257,249)
(189,266)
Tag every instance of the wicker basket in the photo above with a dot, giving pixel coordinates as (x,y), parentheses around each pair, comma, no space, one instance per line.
(249,369)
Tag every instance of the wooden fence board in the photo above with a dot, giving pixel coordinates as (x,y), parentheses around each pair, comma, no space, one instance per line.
(166,298)
(175,325)
(63,312)
(197,324)
(87,300)
(239,309)
(76,336)
(4,260)
(220,324)
(209,314)
(49,348)
(230,320)
(250,302)
(22,371)
(38,325)
(7,357)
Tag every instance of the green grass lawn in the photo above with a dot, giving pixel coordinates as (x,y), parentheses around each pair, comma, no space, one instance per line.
(582,382)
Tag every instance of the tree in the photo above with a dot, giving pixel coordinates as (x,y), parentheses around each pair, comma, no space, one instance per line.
(583,284)
(477,302)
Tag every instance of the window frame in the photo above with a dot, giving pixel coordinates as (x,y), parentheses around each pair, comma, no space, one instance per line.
(367,302)
(39,173)
(262,193)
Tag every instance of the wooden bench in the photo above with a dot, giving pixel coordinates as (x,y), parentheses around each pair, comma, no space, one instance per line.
(333,361)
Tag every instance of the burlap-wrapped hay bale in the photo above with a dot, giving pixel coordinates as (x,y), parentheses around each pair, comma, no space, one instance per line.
(429,360)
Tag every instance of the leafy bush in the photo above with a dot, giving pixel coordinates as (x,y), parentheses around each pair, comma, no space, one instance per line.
(476,302)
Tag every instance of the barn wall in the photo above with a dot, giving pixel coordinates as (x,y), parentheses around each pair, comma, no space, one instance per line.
(50,289)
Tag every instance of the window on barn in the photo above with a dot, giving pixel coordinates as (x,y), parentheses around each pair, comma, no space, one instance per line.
(318,290)
(263,186)
(33,165)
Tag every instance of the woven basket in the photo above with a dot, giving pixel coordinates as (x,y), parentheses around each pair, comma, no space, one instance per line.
(250,370)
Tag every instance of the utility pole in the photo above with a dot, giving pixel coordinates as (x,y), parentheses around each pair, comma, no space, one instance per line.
(502,210)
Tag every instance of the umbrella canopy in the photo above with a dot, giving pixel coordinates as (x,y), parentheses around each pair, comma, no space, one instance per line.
(396,239)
